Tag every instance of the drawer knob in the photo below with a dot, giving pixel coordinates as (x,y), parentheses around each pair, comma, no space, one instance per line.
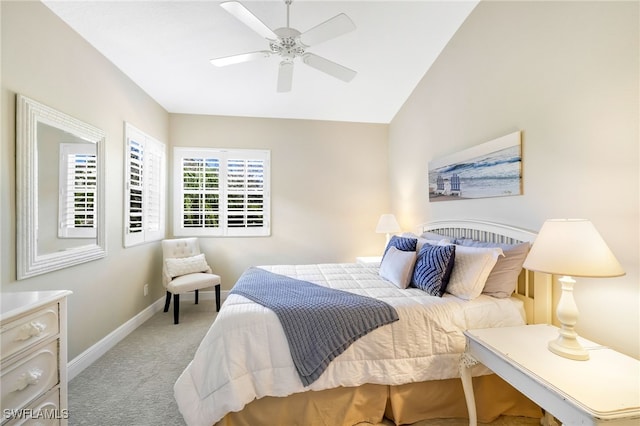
(32,329)
(31,377)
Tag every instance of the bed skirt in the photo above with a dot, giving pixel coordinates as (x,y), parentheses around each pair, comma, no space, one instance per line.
(402,404)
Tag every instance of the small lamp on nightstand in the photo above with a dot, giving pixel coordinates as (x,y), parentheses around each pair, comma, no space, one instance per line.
(387,224)
(571,247)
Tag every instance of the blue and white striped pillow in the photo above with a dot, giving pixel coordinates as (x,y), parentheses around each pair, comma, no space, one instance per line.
(433,268)
(401,243)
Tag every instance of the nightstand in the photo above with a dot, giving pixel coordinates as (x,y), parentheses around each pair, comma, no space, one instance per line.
(368,260)
(603,389)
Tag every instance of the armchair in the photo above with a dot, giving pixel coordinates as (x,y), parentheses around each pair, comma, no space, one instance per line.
(184,269)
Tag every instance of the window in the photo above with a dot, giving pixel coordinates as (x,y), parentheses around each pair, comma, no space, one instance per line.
(77,204)
(145,175)
(221,192)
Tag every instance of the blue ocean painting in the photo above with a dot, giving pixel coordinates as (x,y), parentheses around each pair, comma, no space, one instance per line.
(494,174)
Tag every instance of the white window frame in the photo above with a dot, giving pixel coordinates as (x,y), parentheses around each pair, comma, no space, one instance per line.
(145,173)
(227,163)
(78,175)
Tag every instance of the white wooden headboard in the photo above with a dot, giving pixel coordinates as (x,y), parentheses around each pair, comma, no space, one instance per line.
(534,288)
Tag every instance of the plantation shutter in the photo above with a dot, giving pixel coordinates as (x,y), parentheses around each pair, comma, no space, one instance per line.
(154,211)
(77,204)
(134,189)
(245,195)
(221,192)
(200,190)
(145,170)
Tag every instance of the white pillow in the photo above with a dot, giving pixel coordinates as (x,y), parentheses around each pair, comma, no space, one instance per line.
(186,265)
(471,268)
(397,266)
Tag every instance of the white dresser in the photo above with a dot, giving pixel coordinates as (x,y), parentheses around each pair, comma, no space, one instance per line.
(33,358)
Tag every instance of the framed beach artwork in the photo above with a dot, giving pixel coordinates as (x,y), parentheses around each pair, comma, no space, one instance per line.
(491,169)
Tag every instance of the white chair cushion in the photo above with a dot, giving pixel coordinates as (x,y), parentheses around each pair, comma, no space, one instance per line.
(186,265)
(190,282)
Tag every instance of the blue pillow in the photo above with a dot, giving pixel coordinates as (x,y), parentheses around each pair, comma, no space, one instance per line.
(401,243)
(433,268)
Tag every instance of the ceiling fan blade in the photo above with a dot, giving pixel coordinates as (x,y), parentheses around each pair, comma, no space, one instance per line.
(237,59)
(243,15)
(336,70)
(334,27)
(285,76)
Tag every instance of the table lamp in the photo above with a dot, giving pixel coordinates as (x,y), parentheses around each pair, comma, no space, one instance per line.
(387,224)
(570,248)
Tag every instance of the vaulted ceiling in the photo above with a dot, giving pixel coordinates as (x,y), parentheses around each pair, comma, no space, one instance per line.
(165,48)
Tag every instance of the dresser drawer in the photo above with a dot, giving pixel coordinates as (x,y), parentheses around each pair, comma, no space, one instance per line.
(28,330)
(30,377)
(44,412)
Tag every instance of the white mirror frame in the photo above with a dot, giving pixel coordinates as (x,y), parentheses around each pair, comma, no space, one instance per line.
(29,261)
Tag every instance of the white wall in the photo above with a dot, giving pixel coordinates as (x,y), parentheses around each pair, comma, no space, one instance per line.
(567,75)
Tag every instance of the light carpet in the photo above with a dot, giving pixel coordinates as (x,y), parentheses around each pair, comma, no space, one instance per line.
(132,384)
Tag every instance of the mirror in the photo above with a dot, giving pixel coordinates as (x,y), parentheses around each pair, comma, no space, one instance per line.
(59,190)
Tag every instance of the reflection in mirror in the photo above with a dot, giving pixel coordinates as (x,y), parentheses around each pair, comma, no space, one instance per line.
(60,193)
(66,190)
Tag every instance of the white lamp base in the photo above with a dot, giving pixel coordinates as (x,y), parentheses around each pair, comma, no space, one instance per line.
(566,348)
(567,345)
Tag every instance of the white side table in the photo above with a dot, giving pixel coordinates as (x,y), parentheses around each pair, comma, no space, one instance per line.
(603,389)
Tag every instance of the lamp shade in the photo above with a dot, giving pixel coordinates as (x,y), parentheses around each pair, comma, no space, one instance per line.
(572,247)
(387,224)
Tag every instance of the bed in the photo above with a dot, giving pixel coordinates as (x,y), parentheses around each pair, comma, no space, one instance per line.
(406,371)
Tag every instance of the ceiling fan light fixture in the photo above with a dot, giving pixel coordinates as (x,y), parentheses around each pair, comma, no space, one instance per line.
(289,44)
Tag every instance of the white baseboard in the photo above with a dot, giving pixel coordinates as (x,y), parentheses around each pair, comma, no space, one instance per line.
(89,356)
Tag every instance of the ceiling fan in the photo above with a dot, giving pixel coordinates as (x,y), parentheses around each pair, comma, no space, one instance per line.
(290,43)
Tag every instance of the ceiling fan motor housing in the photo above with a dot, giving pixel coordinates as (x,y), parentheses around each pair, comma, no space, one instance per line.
(288,43)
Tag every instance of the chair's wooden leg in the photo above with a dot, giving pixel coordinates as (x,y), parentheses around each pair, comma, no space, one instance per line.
(217,297)
(176,307)
(196,296)
(167,301)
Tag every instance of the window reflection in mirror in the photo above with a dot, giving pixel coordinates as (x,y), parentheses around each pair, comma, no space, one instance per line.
(67,190)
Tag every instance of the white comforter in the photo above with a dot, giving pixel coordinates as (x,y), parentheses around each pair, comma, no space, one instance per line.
(245,354)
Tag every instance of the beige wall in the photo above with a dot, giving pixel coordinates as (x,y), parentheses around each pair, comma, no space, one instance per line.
(42,58)
(329,185)
(566,74)
(329,180)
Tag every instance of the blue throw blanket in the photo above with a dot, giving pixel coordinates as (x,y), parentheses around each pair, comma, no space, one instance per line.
(320,323)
